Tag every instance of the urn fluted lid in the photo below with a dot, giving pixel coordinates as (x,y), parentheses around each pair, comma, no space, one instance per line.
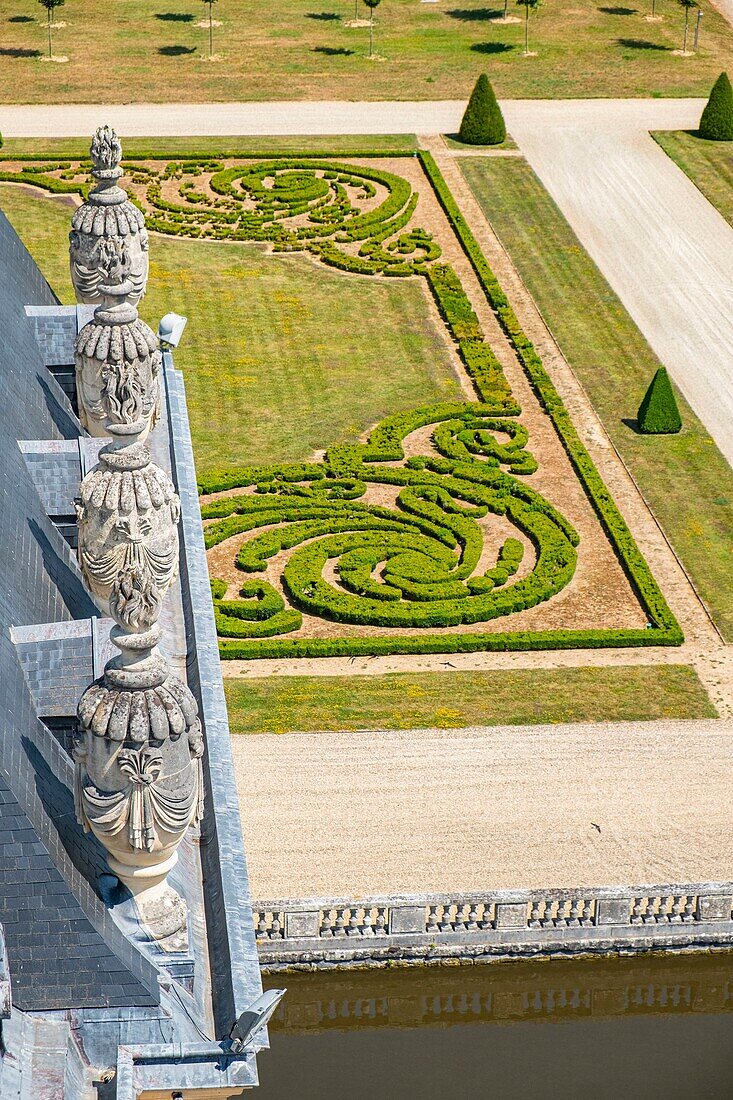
(128,482)
(153,714)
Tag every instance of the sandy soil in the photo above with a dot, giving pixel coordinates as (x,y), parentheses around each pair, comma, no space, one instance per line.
(435,810)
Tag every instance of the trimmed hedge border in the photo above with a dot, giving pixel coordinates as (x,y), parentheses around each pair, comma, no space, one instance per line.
(665,626)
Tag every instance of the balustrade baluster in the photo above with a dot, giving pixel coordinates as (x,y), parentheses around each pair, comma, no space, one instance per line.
(460,921)
(381,922)
(432,925)
(688,913)
(487,918)
(340,928)
(353,929)
(445,923)
(534,915)
(473,917)
(326,929)
(367,929)
(636,911)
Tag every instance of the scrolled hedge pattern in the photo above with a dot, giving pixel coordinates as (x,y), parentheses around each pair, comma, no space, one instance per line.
(411,565)
(261,612)
(352,217)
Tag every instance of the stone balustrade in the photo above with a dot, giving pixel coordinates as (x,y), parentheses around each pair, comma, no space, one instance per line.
(510,922)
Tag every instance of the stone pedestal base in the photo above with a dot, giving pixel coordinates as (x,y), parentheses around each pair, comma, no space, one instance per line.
(163,913)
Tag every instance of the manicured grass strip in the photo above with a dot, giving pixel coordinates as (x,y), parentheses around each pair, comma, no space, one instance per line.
(456,699)
(684,478)
(709,164)
(666,628)
(279,353)
(451,140)
(154,148)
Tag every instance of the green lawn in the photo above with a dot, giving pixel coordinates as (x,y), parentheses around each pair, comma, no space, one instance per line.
(457,699)
(282,355)
(685,479)
(709,164)
(145,148)
(145,51)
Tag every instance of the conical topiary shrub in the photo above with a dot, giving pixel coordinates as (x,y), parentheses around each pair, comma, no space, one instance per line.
(658,412)
(716,123)
(482,122)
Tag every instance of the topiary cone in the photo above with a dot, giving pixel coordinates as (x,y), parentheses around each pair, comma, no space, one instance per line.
(482,122)
(658,412)
(716,122)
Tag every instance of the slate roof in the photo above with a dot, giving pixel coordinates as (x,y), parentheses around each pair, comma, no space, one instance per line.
(63,948)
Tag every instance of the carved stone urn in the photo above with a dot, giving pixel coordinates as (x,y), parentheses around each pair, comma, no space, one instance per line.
(108,251)
(138,782)
(108,239)
(138,753)
(117,354)
(127,516)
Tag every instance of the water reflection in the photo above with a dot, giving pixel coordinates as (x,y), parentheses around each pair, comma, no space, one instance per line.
(656,1026)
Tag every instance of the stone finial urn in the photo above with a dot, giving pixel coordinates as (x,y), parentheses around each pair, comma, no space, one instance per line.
(138,783)
(108,241)
(108,250)
(127,516)
(117,357)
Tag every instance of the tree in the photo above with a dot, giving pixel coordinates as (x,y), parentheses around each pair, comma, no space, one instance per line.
(686,4)
(716,121)
(527,5)
(371,4)
(50,6)
(211,26)
(658,413)
(482,122)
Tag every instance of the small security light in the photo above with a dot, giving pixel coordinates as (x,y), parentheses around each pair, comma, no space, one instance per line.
(254,1019)
(170,329)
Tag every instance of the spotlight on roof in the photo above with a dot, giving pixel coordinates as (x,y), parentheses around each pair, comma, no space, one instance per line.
(254,1019)
(170,330)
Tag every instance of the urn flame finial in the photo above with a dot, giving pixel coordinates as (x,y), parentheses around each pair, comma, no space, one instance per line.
(135,602)
(106,154)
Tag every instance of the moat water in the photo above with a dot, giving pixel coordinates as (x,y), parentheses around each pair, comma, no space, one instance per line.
(655,1027)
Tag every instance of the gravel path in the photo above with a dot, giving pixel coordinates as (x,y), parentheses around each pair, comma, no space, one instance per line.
(445,810)
(664,249)
(195,119)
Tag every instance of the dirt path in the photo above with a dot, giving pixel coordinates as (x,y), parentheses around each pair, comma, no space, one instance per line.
(437,810)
